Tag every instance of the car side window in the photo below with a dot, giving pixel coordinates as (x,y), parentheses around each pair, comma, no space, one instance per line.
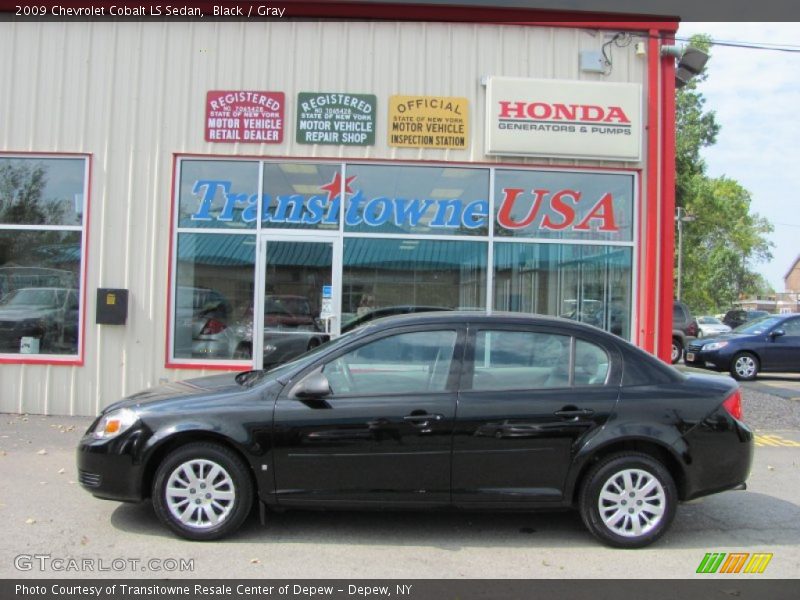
(405,363)
(518,360)
(591,364)
(792,327)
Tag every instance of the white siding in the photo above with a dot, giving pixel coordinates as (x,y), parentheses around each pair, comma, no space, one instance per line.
(133,93)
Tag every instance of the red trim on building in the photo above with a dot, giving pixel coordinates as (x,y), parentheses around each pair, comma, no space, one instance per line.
(649,279)
(70,361)
(668,203)
(85,261)
(210,367)
(418,161)
(172,209)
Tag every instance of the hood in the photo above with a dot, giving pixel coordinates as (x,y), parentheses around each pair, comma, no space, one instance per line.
(728,336)
(24,313)
(214,385)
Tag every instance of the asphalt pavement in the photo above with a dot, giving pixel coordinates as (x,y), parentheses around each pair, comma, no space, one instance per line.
(45,513)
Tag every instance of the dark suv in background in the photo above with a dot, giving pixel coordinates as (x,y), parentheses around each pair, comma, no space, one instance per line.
(734,318)
(684,329)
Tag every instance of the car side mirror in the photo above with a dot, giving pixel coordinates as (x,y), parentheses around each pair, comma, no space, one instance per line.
(776,333)
(316,385)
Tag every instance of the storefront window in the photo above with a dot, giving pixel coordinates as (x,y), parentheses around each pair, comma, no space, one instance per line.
(591,284)
(397,276)
(420,200)
(214,296)
(40,269)
(218,194)
(301,196)
(564,205)
(340,244)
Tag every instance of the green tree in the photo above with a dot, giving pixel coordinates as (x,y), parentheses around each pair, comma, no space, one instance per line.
(725,241)
(22,185)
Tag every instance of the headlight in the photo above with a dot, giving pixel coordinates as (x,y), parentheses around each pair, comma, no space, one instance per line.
(114,423)
(715,345)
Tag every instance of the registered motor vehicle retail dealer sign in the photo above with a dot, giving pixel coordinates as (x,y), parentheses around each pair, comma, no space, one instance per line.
(428,122)
(246,117)
(336,118)
(570,119)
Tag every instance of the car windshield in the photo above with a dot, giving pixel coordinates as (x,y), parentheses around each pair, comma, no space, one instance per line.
(31,297)
(708,321)
(248,378)
(758,326)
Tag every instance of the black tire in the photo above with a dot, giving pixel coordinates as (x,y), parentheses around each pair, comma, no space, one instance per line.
(609,473)
(313,343)
(677,350)
(745,366)
(233,479)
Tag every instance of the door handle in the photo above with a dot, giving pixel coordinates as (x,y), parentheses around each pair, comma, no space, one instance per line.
(424,418)
(575,413)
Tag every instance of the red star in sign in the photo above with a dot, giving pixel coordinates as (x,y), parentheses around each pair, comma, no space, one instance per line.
(334,188)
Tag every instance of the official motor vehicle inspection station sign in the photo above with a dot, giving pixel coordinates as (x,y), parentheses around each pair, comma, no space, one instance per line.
(428,122)
(557,118)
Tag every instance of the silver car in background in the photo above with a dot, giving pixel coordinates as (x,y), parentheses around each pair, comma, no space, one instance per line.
(290,329)
(708,326)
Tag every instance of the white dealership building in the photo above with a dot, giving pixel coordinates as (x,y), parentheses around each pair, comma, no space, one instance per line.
(170,187)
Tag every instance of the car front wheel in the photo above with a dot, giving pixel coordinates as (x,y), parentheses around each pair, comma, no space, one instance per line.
(744,366)
(628,500)
(202,491)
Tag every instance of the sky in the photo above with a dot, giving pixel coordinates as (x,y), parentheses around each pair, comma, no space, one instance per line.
(756,96)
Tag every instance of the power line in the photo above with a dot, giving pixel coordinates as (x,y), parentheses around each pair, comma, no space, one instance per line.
(790,48)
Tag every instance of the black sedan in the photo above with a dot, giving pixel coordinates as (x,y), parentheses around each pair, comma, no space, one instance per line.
(770,343)
(448,409)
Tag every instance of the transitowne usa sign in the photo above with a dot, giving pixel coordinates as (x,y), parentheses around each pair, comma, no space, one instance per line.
(571,119)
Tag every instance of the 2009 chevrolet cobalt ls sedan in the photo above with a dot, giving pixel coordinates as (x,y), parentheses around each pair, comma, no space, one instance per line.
(464,410)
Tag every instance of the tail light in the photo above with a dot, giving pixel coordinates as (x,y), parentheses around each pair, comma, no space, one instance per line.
(212,327)
(733,404)
(691,330)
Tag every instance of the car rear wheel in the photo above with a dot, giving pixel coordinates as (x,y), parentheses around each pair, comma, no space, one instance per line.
(202,491)
(744,366)
(628,500)
(677,350)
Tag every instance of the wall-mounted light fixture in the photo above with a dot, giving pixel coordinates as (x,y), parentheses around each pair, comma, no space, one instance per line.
(690,62)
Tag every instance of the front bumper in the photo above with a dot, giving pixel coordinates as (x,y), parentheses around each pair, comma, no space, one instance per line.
(211,349)
(696,355)
(107,468)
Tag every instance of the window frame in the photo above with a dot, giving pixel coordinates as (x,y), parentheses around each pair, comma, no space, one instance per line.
(453,376)
(78,358)
(613,375)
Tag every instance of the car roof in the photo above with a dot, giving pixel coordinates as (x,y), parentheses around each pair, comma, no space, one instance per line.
(475,316)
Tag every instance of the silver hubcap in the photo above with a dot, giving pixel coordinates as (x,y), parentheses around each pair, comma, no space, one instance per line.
(632,503)
(200,493)
(745,366)
(675,352)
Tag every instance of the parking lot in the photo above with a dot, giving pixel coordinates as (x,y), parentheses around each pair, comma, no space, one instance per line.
(45,512)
